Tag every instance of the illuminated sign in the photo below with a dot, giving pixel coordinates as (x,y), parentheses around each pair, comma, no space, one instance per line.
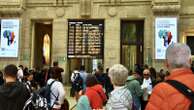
(85,38)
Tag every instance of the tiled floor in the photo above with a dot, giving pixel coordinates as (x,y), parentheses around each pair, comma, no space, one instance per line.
(71,100)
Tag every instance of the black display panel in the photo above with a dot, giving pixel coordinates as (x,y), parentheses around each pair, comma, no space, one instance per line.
(85,38)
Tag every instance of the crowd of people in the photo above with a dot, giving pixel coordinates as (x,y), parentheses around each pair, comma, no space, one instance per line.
(117,89)
(18,85)
(144,88)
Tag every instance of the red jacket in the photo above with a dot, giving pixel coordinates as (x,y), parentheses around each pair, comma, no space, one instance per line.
(96,96)
(166,97)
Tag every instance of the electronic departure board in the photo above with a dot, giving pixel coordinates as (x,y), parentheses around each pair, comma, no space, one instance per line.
(85,38)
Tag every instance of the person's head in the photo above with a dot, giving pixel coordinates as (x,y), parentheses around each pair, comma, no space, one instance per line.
(130,72)
(55,63)
(10,71)
(161,70)
(29,76)
(146,73)
(118,74)
(25,70)
(107,69)
(166,74)
(82,68)
(178,55)
(91,80)
(99,70)
(21,67)
(152,72)
(145,66)
(138,69)
(55,74)
(160,77)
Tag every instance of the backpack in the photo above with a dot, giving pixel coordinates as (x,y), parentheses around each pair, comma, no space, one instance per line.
(184,90)
(46,91)
(78,82)
(28,86)
(36,102)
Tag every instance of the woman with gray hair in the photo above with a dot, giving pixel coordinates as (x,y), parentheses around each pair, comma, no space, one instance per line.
(120,97)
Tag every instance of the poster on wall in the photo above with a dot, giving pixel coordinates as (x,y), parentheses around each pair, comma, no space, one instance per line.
(165,34)
(9,37)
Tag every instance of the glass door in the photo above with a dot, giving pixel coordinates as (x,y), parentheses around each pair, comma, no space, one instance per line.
(132,43)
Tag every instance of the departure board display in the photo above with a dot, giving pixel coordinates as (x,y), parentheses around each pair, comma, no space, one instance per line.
(85,38)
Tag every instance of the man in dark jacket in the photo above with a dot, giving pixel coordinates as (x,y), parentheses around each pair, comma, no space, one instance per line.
(13,94)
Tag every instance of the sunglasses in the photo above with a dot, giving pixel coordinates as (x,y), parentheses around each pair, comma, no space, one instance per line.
(146,74)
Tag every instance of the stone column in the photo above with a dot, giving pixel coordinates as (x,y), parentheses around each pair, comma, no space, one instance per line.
(59,45)
(112,42)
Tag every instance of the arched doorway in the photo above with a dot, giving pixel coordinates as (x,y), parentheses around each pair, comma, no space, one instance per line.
(42,44)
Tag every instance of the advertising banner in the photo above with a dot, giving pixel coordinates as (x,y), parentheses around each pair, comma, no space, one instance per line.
(165,34)
(9,37)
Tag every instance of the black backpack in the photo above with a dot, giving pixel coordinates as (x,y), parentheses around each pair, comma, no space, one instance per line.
(36,102)
(28,86)
(184,90)
(78,82)
(46,91)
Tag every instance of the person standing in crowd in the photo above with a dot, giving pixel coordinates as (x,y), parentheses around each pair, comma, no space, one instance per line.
(100,75)
(39,77)
(94,92)
(20,73)
(107,85)
(13,94)
(57,90)
(160,77)
(165,96)
(59,69)
(82,101)
(1,78)
(135,88)
(139,71)
(83,74)
(73,74)
(120,98)
(147,86)
(153,73)
(45,74)
(28,81)
(76,85)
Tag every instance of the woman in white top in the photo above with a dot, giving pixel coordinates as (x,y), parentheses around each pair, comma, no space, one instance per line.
(146,86)
(57,95)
